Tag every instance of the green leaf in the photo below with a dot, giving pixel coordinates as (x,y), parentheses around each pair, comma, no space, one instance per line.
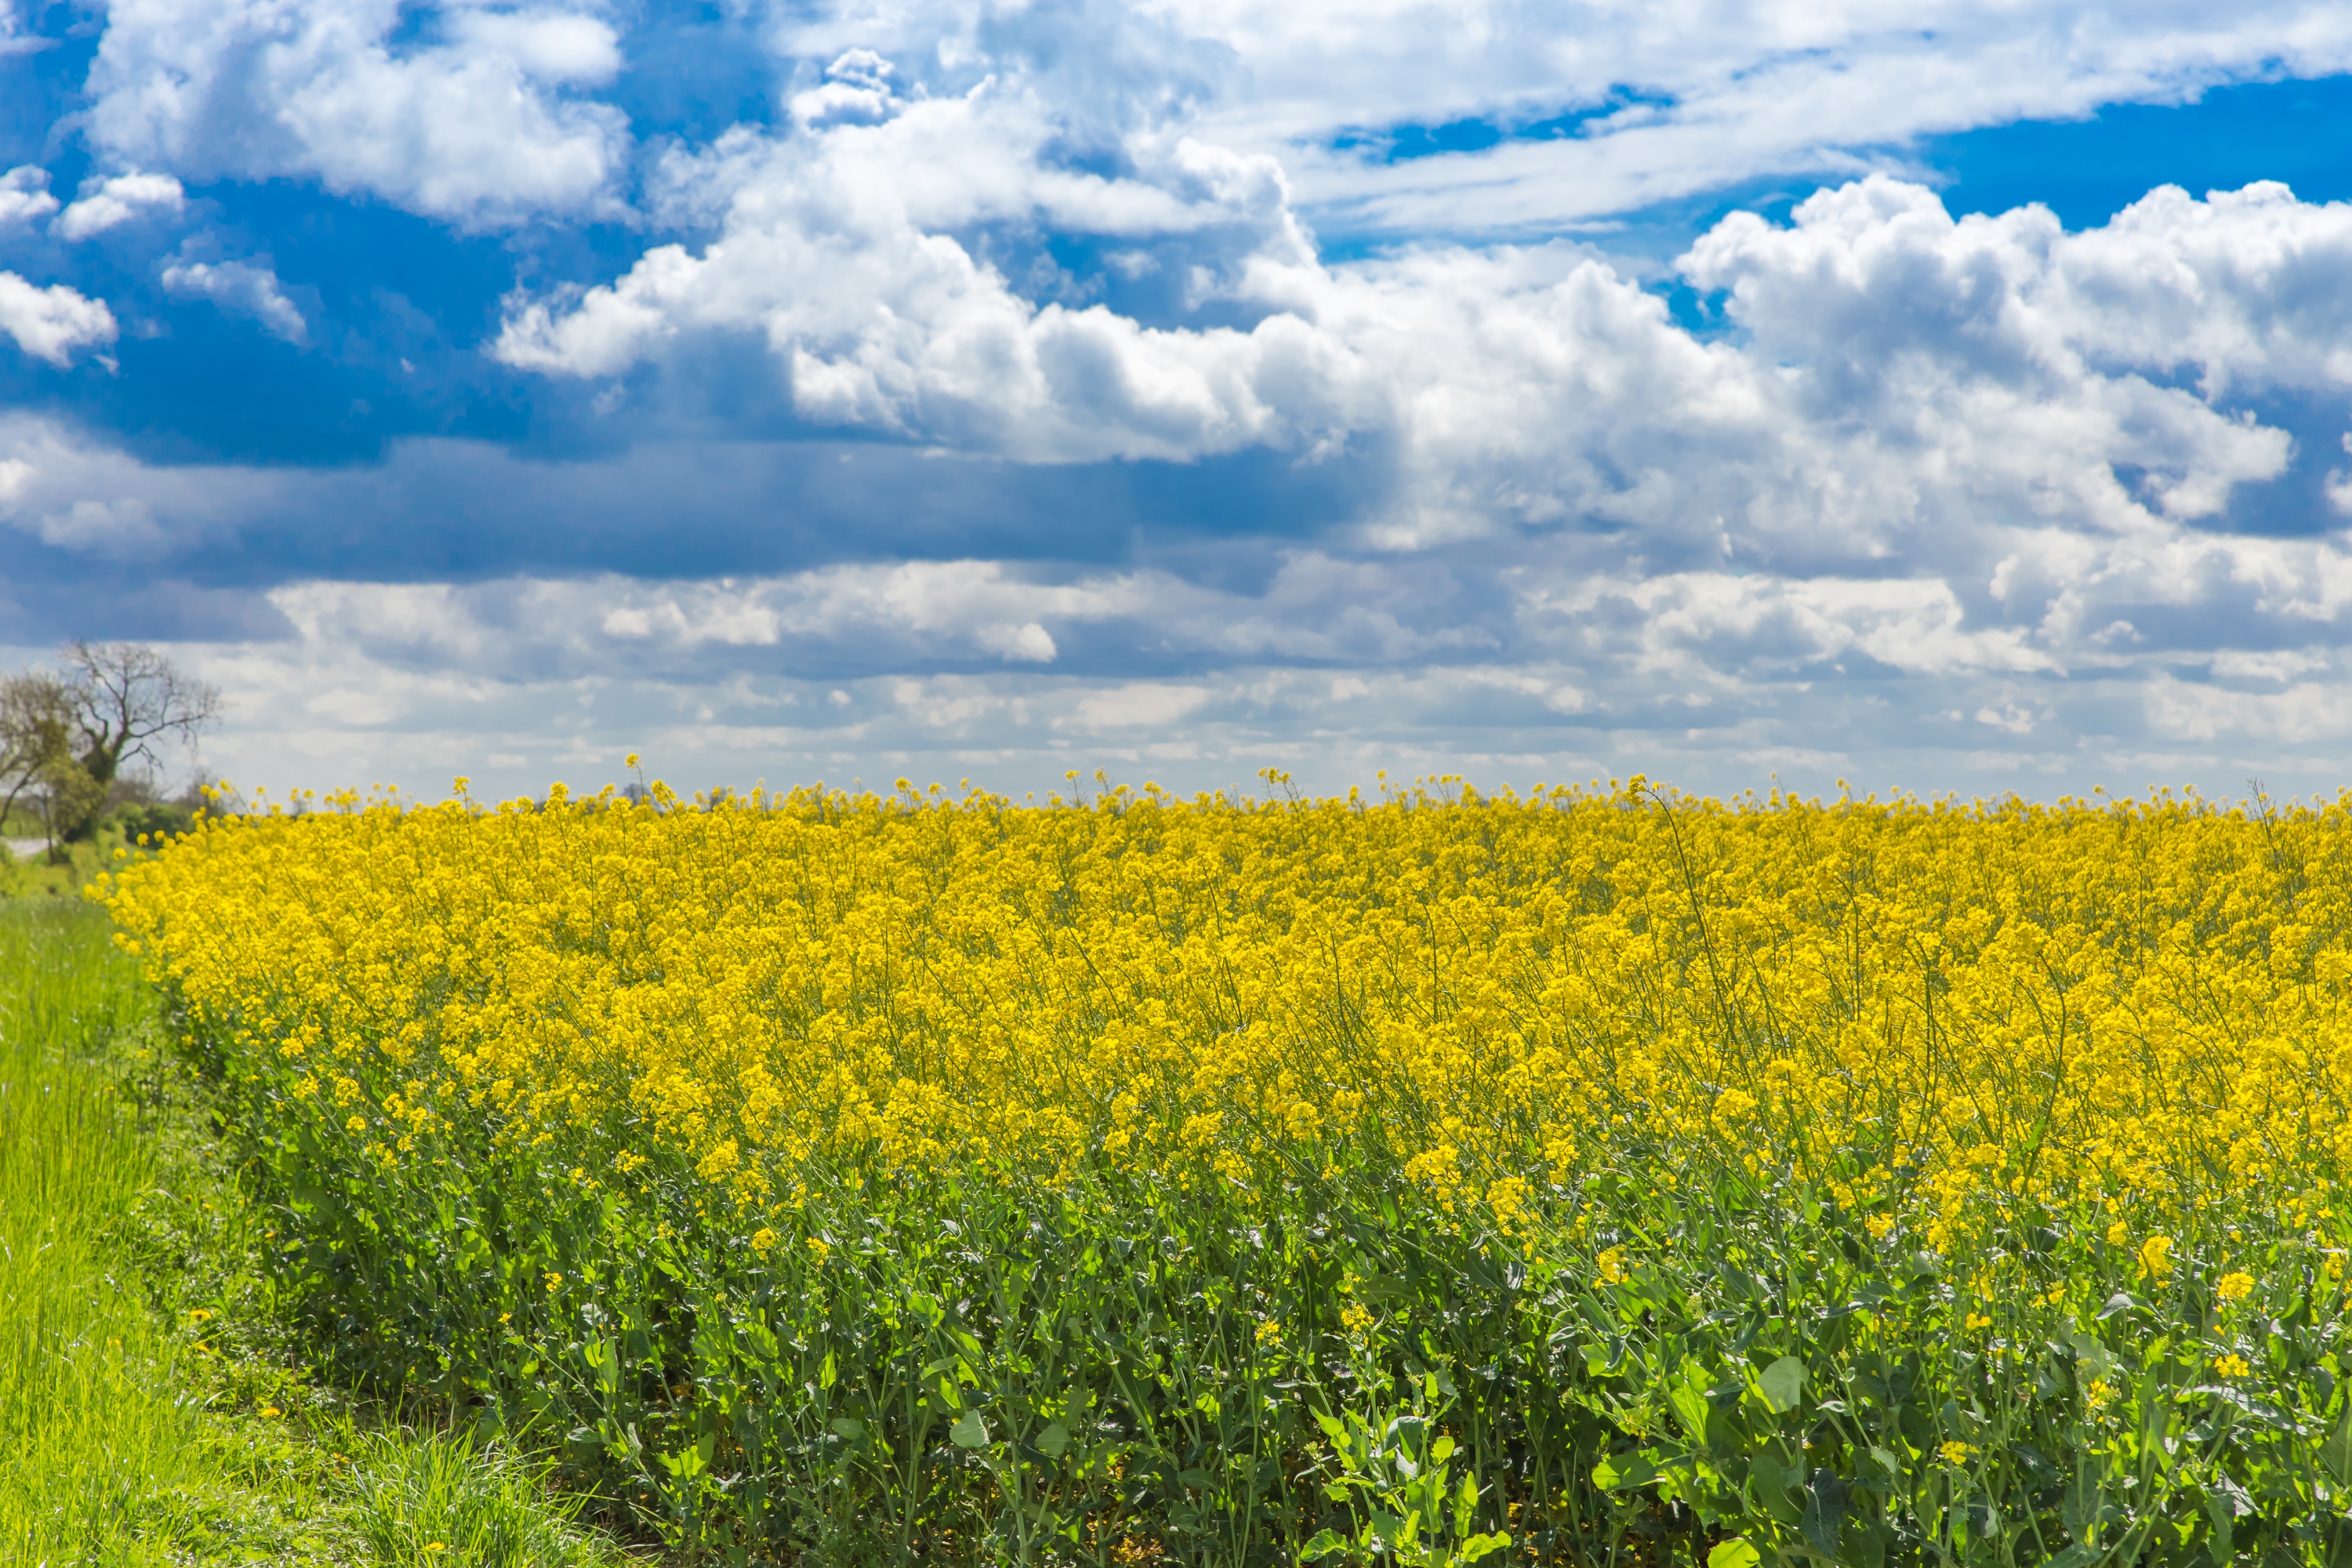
(1783,1383)
(2080,1510)
(1053,1441)
(1441,1450)
(2218,1509)
(1823,1519)
(1734,1554)
(1623,1470)
(970,1431)
(1326,1543)
(1477,1546)
(1332,1428)
(2336,1452)
(1688,1397)
(847,1426)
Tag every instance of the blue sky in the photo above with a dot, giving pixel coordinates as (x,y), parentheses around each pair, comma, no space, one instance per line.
(1953,398)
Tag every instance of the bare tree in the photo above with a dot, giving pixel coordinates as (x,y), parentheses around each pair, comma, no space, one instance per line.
(127,698)
(66,736)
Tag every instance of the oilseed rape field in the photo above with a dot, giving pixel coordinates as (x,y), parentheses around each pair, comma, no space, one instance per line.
(1595,1175)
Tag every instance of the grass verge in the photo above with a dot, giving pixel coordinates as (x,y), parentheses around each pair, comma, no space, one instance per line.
(153,1405)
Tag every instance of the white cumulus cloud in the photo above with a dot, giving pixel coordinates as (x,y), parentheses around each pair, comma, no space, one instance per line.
(51,323)
(24,195)
(833,250)
(478,125)
(1899,380)
(111,202)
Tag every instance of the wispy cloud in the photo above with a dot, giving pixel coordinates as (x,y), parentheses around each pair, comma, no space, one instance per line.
(241,287)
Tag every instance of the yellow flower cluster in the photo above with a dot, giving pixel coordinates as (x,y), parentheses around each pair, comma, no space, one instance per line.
(1991,999)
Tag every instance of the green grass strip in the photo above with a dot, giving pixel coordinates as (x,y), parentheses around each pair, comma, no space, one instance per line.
(150,1411)
(105,1454)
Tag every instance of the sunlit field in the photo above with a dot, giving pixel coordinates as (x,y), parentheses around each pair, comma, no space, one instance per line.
(1583,1176)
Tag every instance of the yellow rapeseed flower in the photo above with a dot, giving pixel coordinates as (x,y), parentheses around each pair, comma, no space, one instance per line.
(750,990)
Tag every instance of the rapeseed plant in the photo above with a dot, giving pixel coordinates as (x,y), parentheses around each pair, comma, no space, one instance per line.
(885,1177)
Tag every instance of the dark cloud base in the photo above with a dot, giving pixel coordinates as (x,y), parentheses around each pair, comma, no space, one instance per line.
(452,510)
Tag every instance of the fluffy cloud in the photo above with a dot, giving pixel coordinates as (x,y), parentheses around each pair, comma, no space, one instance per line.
(24,195)
(241,287)
(50,323)
(835,250)
(478,124)
(1899,377)
(915,368)
(486,114)
(1937,448)
(111,202)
